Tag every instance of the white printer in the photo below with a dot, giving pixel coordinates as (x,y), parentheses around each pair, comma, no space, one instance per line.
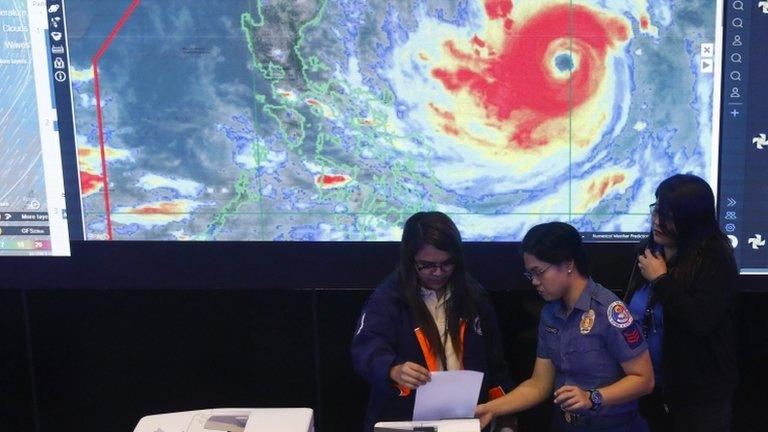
(230,420)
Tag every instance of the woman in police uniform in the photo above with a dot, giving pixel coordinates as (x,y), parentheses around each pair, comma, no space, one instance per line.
(428,316)
(590,351)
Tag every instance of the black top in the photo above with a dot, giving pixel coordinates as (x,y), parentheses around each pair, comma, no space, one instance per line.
(699,346)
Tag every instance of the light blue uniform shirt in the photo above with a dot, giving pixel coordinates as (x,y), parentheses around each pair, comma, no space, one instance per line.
(590,359)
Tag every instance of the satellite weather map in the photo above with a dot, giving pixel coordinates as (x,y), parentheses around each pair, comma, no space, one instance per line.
(334,120)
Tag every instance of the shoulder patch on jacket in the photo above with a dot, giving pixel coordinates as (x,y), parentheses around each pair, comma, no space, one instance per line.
(477,326)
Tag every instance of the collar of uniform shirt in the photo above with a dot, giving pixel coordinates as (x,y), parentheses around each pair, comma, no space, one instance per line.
(583,303)
(439,296)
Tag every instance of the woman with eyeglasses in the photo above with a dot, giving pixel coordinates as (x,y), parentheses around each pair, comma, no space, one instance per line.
(428,316)
(682,291)
(591,357)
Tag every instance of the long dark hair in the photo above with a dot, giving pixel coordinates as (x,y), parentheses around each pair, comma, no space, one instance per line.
(688,203)
(438,230)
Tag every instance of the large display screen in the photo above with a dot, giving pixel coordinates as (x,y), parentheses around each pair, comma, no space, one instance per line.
(334,120)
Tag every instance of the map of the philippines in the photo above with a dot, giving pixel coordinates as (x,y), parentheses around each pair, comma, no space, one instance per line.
(337,119)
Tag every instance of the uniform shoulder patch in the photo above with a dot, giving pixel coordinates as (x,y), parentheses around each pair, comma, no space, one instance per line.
(632,336)
(619,315)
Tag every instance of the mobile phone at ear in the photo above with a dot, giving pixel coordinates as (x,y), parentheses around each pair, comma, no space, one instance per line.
(656,248)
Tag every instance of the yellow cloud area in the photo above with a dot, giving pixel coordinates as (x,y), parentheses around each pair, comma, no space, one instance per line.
(589,192)
(155,213)
(288,95)
(469,125)
(321,108)
(89,161)
(89,158)
(80,75)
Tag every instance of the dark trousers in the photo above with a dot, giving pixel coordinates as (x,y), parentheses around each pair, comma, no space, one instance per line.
(653,411)
(703,417)
(635,425)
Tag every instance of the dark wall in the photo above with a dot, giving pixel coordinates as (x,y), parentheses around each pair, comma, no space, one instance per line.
(119,331)
(16,399)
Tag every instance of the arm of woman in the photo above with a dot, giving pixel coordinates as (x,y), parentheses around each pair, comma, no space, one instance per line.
(637,382)
(373,349)
(626,345)
(529,393)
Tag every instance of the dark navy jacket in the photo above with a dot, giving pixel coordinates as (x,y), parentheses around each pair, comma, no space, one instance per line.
(386,336)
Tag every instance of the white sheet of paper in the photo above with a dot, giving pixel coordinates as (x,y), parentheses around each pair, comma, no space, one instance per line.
(450,395)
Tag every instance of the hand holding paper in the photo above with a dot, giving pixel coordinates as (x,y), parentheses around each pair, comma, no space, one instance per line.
(450,395)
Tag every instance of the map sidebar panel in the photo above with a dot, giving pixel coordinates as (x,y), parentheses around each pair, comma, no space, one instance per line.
(33,211)
(744,153)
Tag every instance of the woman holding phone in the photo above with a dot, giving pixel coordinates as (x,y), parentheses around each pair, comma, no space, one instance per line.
(682,292)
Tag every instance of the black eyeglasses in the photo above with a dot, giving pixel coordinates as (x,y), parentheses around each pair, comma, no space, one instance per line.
(431,266)
(531,274)
(654,208)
